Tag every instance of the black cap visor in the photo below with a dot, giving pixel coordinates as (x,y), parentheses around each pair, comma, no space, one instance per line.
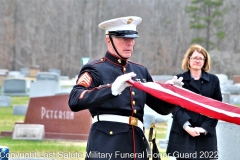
(124,34)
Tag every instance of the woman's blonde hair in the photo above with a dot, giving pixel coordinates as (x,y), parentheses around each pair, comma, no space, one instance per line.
(188,54)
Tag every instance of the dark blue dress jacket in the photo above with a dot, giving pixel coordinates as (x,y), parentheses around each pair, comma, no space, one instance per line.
(124,139)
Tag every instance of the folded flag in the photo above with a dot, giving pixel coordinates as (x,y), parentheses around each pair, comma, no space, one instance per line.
(191,101)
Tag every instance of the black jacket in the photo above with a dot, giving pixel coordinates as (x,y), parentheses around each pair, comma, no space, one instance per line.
(99,100)
(179,140)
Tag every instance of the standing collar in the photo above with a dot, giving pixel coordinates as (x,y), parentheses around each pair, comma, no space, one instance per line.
(187,76)
(115,59)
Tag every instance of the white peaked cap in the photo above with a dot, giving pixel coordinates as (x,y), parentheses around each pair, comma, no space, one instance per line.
(121,24)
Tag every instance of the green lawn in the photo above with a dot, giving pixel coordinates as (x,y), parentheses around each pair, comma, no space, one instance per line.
(49,149)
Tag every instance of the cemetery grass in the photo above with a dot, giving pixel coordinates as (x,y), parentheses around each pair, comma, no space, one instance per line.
(50,149)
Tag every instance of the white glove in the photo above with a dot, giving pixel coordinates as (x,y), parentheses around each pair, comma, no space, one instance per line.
(121,83)
(176,81)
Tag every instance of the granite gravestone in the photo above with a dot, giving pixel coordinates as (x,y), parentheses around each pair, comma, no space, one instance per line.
(28,132)
(15,74)
(5,101)
(46,84)
(41,88)
(24,71)
(54,70)
(162,78)
(3,75)
(15,86)
(236,79)
(228,138)
(47,76)
(34,69)
(20,109)
(59,121)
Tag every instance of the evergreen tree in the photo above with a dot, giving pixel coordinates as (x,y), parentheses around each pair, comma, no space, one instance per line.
(206,16)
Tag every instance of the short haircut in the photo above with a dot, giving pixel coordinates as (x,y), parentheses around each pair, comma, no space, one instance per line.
(188,54)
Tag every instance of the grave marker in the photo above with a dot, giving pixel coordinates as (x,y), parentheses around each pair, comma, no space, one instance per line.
(41,88)
(20,109)
(54,70)
(228,140)
(5,101)
(28,132)
(34,69)
(236,79)
(3,75)
(15,86)
(47,76)
(59,121)
(25,71)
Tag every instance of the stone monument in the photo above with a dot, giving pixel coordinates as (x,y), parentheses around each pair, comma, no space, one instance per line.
(59,121)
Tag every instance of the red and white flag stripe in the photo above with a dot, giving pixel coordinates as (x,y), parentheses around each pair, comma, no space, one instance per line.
(191,101)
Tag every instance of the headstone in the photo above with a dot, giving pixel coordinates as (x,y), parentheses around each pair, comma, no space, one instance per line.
(3,75)
(235,99)
(41,88)
(4,153)
(5,101)
(223,78)
(28,132)
(162,78)
(46,84)
(236,79)
(15,86)
(164,142)
(15,74)
(228,141)
(64,77)
(20,109)
(25,71)
(59,121)
(229,81)
(54,70)
(226,97)
(34,69)
(158,117)
(232,89)
(47,76)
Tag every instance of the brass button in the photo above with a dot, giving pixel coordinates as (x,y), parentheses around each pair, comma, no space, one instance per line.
(111,132)
(135,111)
(124,69)
(143,138)
(133,93)
(133,102)
(108,84)
(119,61)
(101,59)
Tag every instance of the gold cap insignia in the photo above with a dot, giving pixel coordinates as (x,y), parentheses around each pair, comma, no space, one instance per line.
(129,20)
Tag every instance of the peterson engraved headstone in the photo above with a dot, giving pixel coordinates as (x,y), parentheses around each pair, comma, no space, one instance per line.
(59,121)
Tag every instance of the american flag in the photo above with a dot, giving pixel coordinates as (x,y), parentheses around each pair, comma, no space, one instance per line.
(191,101)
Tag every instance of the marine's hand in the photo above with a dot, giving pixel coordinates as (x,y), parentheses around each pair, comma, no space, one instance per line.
(121,83)
(176,81)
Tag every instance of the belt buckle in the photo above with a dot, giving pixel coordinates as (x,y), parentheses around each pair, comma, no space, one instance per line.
(133,121)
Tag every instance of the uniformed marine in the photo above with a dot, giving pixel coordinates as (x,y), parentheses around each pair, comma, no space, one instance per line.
(116,107)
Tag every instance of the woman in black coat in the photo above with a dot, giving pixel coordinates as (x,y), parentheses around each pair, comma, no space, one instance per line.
(192,135)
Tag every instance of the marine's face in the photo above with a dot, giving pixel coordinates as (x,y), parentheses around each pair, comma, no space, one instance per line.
(124,46)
